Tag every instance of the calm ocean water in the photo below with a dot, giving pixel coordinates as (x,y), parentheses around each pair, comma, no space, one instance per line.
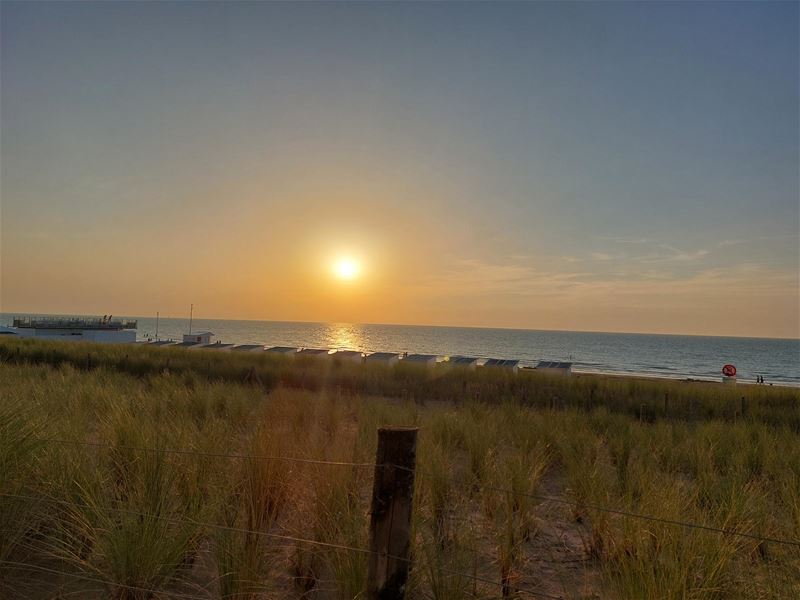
(674,356)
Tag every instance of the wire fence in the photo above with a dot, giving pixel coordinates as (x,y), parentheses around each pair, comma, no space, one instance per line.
(298,540)
(463,484)
(271,535)
(104,582)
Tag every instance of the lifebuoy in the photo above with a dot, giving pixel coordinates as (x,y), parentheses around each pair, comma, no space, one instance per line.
(729,371)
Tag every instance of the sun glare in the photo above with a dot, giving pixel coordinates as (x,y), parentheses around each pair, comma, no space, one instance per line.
(346,268)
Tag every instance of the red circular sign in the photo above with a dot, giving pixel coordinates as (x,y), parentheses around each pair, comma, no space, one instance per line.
(729,370)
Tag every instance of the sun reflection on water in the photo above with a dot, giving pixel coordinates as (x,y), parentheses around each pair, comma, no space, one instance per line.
(345,336)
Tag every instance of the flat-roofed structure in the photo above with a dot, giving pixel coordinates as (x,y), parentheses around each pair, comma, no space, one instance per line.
(218,346)
(162,343)
(248,348)
(200,337)
(315,352)
(467,362)
(349,355)
(502,363)
(383,358)
(187,344)
(554,367)
(283,350)
(425,360)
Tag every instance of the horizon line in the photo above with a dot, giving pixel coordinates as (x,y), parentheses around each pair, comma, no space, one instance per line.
(743,337)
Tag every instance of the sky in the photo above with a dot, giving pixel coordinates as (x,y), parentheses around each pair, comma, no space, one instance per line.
(576,166)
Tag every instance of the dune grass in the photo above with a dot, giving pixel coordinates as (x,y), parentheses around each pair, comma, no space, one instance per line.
(507,490)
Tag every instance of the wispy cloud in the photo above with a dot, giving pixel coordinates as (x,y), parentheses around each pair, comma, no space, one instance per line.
(621,240)
(657,253)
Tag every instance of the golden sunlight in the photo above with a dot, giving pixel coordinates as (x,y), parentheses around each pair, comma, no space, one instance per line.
(346,269)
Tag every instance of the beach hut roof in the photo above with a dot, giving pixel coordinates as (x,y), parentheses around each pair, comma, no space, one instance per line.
(383,355)
(420,357)
(501,362)
(282,349)
(463,360)
(553,364)
(217,346)
(313,351)
(188,344)
(348,353)
(246,347)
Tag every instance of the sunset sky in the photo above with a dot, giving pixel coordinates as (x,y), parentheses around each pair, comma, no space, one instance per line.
(603,166)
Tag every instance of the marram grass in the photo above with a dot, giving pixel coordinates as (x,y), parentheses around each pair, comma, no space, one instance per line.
(491,452)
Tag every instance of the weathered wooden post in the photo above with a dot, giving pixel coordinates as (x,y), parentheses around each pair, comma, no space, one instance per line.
(390,522)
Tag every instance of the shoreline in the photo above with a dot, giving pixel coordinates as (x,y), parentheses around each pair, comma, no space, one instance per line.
(680,379)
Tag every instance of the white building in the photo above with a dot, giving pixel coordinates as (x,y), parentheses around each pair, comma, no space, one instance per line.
(555,367)
(315,352)
(218,346)
(466,362)
(502,363)
(383,358)
(283,351)
(201,337)
(349,355)
(425,360)
(248,348)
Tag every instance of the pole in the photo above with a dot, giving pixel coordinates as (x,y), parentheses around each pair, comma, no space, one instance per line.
(390,521)
(156,325)
(191,314)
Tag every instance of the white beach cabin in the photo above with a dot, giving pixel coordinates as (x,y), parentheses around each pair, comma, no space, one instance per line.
(349,355)
(502,363)
(286,351)
(315,352)
(555,367)
(201,337)
(423,360)
(248,348)
(465,362)
(383,358)
(218,346)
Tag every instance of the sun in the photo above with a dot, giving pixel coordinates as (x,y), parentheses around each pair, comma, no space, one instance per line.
(346,269)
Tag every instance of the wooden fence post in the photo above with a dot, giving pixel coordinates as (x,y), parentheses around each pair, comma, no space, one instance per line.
(390,522)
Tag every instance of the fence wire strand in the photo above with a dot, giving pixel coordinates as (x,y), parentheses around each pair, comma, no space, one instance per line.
(133,588)
(624,513)
(463,484)
(290,538)
(182,452)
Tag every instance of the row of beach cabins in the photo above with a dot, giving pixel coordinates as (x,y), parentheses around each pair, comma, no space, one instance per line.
(202,341)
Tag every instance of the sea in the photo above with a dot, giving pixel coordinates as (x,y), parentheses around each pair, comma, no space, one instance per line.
(669,356)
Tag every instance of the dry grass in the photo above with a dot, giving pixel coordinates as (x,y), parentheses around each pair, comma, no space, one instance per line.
(214,527)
